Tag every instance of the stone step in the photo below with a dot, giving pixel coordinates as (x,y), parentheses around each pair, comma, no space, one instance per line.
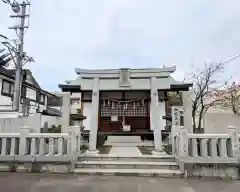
(130,172)
(119,139)
(142,158)
(126,165)
(122,144)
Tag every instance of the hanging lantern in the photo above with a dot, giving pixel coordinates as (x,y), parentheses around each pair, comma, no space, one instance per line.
(109,103)
(104,103)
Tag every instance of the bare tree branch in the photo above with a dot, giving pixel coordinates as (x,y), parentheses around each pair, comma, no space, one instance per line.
(204,84)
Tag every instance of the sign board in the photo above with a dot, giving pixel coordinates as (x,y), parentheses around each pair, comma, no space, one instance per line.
(114,118)
(175,116)
(126,128)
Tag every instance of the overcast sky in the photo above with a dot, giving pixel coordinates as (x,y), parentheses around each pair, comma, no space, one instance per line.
(65,35)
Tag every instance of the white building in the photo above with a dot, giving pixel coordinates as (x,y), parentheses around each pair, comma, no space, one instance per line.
(34,100)
(124,101)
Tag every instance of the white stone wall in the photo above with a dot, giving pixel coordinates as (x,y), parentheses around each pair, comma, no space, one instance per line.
(50,121)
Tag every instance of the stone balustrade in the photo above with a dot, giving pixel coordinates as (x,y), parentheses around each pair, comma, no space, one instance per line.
(206,148)
(40,147)
(207,155)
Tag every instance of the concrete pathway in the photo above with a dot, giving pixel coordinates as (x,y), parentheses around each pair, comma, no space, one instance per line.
(125,152)
(16,182)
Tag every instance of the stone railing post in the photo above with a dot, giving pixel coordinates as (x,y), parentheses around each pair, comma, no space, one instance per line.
(174,140)
(72,141)
(183,148)
(232,131)
(24,131)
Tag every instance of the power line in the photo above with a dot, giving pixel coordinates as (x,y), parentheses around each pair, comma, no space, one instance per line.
(231,59)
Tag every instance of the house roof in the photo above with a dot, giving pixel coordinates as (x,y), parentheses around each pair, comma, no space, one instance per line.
(10,73)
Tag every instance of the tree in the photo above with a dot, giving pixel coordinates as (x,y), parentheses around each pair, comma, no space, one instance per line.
(205,83)
(233,98)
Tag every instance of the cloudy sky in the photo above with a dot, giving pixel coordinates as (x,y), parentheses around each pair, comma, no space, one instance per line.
(64,35)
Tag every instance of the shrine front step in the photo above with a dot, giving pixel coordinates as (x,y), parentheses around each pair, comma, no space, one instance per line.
(163,173)
(127,165)
(129,139)
(143,158)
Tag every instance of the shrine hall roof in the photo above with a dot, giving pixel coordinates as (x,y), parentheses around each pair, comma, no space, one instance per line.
(106,72)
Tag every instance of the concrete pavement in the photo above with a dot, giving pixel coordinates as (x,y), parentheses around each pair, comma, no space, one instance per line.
(16,182)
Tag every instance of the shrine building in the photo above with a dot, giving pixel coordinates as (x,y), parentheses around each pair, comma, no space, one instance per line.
(126,101)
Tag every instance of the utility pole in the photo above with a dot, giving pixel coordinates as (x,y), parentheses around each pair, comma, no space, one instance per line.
(20,15)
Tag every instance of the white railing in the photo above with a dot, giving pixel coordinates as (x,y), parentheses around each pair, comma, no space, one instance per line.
(206,148)
(26,146)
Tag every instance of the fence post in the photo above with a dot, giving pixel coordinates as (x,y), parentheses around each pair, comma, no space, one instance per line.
(174,142)
(24,131)
(183,142)
(72,145)
(72,141)
(232,131)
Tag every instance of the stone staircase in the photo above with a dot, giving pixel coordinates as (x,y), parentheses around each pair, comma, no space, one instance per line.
(145,165)
(123,141)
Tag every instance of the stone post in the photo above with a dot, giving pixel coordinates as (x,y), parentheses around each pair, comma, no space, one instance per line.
(174,133)
(155,119)
(72,141)
(232,131)
(175,129)
(24,131)
(187,107)
(94,119)
(66,111)
(183,142)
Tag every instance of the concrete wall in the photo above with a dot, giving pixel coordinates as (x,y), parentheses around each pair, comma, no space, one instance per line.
(12,125)
(218,122)
(34,122)
(48,121)
(65,109)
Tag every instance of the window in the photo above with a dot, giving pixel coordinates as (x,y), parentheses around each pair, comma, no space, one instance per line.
(40,98)
(7,88)
(54,101)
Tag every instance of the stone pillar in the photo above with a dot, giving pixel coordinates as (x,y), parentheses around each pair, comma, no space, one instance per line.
(187,107)
(175,130)
(162,112)
(232,131)
(94,118)
(66,110)
(155,118)
(183,148)
(23,145)
(72,141)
